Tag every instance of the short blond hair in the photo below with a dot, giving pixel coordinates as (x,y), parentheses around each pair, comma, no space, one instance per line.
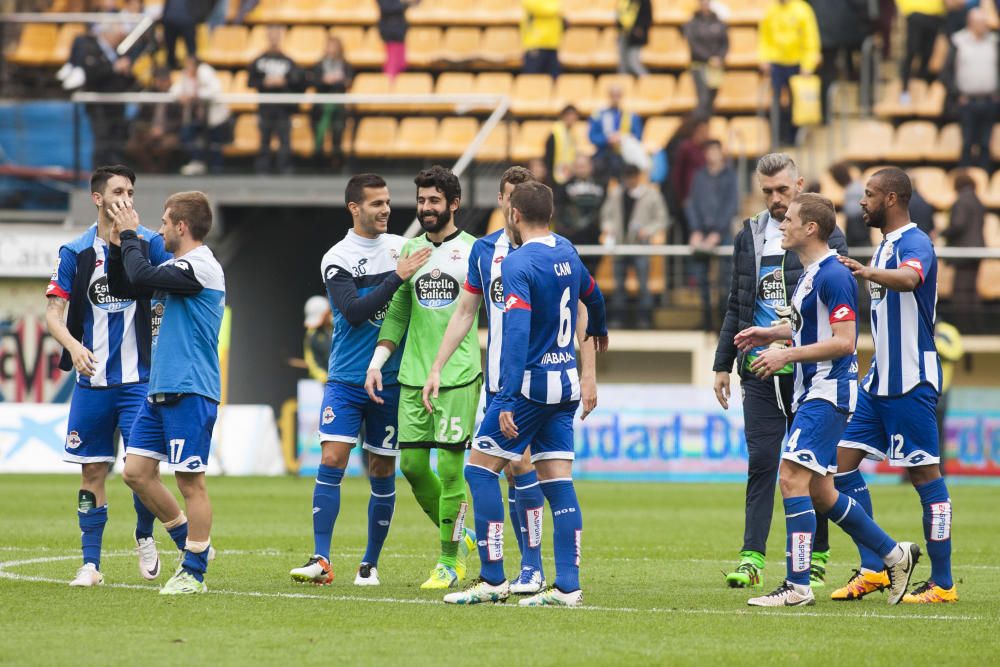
(194,209)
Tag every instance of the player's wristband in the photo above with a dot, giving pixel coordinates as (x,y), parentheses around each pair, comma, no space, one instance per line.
(381,356)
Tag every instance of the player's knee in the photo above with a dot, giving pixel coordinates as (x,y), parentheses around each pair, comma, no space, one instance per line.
(920,475)
(134,478)
(191,484)
(93,475)
(381,466)
(412,467)
(521,467)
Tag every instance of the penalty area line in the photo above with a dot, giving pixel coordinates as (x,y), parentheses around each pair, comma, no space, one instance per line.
(14,576)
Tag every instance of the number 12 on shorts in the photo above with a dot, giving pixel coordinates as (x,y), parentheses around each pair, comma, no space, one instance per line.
(176,450)
(896,446)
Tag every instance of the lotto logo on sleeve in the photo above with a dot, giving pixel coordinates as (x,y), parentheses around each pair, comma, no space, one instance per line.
(494,541)
(514,302)
(842,313)
(914,264)
(801,551)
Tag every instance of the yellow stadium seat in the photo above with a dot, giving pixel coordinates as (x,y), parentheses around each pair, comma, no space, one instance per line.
(227,44)
(256,45)
(428,12)
(581,134)
(305,44)
(673,12)
(685,97)
(746,12)
(869,141)
(455,83)
(411,83)
(423,46)
(995,143)
(589,12)
(931,105)
(991,230)
(589,48)
(494,12)
(454,137)
(575,89)
(603,84)
(267,11)
(945,277)
(529,140)
(351,37)
(741,92)
(988,280)
(371,53)
(667,49)
(303,139)
(375,137)
(749,136)
(991,198)
(348,12)
(651,95)
(718,128)
(36,44)
(532,95)
(415,138)
(912,141)
(948,147)
(933,184)
(238,85)
(496,148)
(495,83)
(891,106)
(657,131)
(461,45)
(742,47)
(370,83)
(64,42)
(246,137)
(295,12)
(501,47)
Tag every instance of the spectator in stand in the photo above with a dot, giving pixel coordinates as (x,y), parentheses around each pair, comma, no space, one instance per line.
(72,74)
(710,211)
(578,208)
(392,27)
(332,74)
(153,140)
(921,212)
(633,214)
(180,20)
(708,41)
(107,72)
(788,44)
(319,337)
(617,136)
(205,127)
(274,72)
(539,171)
(924,20)
(634,20)
(965,230)
(560,148)
(858,233)
(541,35)
(972,75)
(689,159)
(843,27)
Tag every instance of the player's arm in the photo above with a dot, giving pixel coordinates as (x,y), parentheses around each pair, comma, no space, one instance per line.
(516,334)
(358,309)
(841,344)
(118,283)
(593,299)
(588,364)
(752,337)
(145,278)
(904,279)
(461,322)
(58,293)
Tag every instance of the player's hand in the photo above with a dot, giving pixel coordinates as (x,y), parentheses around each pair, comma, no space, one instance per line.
(588,395)
(431,388)
(507,425)
(408,265)
(770,362)
(84,360)
(722,388)
(600,342)
(857,268)
(124,216)
(373,384)
(752,337)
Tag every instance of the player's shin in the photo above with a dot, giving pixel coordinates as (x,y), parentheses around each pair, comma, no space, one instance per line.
(325,507)
(488,504)
(850,516)
(92,520)
(381,506)
(177,528)
(453,504)
(143,518)
(196,558)
(852,484)
(800,526)
(937,530)
(515,520)
(567,520)
(415,465)
(530,508)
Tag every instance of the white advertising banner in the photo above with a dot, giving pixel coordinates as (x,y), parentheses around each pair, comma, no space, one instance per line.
(30,252)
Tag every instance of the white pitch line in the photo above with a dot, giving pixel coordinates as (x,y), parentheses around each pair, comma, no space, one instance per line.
(419,601)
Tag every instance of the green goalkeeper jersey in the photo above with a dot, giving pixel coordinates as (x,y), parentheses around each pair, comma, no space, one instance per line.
(422,308)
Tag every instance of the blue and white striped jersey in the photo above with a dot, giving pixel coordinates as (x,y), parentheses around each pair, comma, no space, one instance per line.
(903,322)
(109,329)
(826,294)
(484,277)
(360,276)
(542,283)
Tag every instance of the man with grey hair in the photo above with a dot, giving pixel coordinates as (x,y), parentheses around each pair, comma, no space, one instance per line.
(763,279)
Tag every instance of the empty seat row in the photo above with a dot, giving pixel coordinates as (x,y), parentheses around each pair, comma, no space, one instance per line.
(924,101)
(913,141)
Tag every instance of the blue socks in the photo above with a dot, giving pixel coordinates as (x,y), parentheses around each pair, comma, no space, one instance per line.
(380,508)
(326,507)
(196,563)
(530,509)
(92,523)
(852,484)
(800,526)
(850,516)
(179,534)
(143,519)
(487,502)
(567,520)
(937,530)
(515,518)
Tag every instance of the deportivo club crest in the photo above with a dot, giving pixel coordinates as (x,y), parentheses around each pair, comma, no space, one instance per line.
(73,440)
(328,415)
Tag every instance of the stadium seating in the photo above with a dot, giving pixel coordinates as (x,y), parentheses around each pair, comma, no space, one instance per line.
(988,280)
(667,49)
(742,47)
(948,145)
(531,95)
(576,89)
(460,45)
(651,95)
(493,12)
(414,138)
(528,140)
(496,148)
(742,92)
(305,44)
(454,137)
(373,136)
(35,46)
(589,48)
(912,141)
(868,140)
(423,45)
(673,12)
(347,12)
(657,131)
(501,47)
(238,85)
(246,137)
(933,184)
(590,12)
(749,136)
(685,97)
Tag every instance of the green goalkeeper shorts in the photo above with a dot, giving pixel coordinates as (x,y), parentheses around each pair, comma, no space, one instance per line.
(450,426)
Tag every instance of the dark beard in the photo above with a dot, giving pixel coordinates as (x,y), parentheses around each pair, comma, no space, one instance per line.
(436,224)
(876,221)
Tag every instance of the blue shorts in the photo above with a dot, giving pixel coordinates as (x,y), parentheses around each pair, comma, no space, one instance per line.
(812,440)
(94,414)
(178,431)
(346,407)
(548,428)
(902,429)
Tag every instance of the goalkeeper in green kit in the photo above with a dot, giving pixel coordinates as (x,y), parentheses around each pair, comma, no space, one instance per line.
(420,311)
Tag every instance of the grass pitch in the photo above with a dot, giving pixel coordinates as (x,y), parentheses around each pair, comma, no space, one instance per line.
(653,556)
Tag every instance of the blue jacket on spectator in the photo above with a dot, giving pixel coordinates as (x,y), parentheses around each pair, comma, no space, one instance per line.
(610,120)
(714,202)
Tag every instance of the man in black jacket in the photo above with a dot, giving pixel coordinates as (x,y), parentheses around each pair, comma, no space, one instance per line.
(764,277)
(274,72)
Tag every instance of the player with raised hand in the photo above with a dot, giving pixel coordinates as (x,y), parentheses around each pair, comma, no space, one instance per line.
(538,398)
(484,282)
(824,330)
(361,272)
(106,339)
(420,311)
(174,424)
(896,416)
